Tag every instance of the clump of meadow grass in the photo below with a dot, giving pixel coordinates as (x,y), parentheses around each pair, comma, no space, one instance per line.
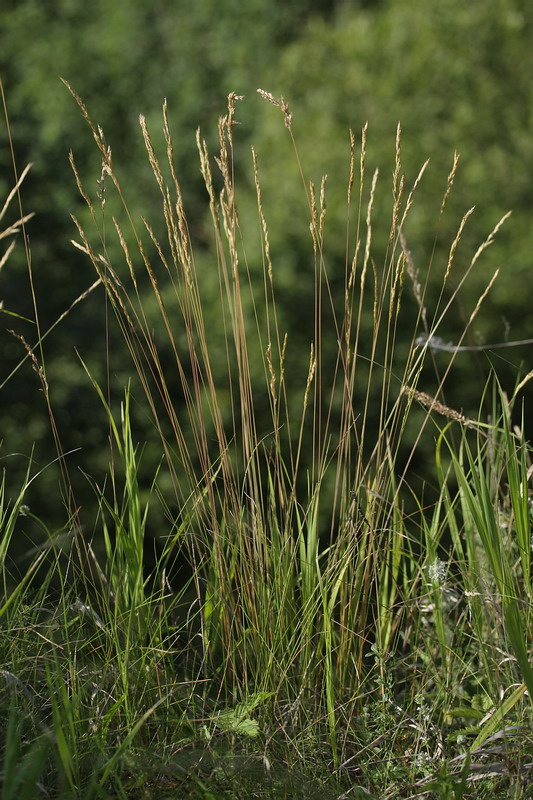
(331,629)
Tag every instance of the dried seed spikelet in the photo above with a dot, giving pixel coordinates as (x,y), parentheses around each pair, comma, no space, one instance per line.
(227,195)
(230,119)
(264,227)
(152,276)
(205,169)
(107,276)
(396,287)
(479,303)
(286,113)
(397,162)
(97,132)
(6,255)
(272,373)
(80,297)
(451,178)
(106,169)
(369,227)
(185,248)
(522,383)
(398,182)
(126,252)
(177,250)
(411,195)
(223,159)
(268,97)
(455,242)
(79,184)
(15,189)
(313,225)
(36,366)
(281,103)
(228,223)
(310,374)
(413,275)
(490,238)
(434,405)
(173,233)
(351,176)
(362,161)
(322,208)
(154,163)
(396,208)
(156,243)
(282,360)
(16,226)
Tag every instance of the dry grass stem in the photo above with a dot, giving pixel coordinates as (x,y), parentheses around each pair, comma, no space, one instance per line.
(433,404)
(455,242)
(15,190)
(451,178)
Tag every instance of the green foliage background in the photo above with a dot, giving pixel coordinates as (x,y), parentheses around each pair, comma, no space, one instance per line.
(457,76)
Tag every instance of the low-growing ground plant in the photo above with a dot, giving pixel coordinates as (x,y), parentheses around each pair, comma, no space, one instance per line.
(317,621)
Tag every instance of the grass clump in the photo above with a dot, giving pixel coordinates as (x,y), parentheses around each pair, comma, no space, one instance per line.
(341,630)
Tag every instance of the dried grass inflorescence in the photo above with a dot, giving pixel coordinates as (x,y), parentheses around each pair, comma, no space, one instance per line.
(281,103)
(432,404)
(15,227)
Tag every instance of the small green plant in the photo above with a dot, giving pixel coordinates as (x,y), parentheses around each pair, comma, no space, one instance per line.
(23,763)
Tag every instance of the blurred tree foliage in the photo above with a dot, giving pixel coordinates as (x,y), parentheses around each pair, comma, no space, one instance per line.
(122,59)
(456,75)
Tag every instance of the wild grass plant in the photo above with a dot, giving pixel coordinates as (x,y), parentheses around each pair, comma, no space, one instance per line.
(337,635)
